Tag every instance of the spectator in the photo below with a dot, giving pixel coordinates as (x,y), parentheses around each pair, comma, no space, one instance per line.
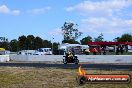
(104,50)
(117,50)
(87,51)
(99,50)
(121,49)
(94,51)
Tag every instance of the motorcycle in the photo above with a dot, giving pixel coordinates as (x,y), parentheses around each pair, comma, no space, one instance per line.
(67,59)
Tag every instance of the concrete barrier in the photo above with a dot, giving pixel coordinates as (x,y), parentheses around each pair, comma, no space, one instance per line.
(82,58)
(36,57)
(4,58)
(106,58)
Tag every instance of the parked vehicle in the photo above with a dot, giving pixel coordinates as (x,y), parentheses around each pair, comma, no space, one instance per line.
(40,51)
(26,52)
(4,52)
(44,51)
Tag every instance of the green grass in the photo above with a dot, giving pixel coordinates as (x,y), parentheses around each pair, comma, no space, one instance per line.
(128,53)
(15,77)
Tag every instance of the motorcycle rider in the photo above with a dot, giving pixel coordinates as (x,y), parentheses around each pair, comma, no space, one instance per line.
(69,55)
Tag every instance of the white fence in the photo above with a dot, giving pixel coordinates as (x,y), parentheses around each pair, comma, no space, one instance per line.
(82,58)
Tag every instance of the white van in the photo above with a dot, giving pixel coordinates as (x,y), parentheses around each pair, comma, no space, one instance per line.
(129,48)
(26,52)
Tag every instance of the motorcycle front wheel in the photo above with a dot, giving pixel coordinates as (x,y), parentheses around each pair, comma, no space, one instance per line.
(76,61)
(64,61)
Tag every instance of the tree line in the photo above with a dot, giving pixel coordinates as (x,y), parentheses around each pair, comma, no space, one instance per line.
(124,38)
(29,42)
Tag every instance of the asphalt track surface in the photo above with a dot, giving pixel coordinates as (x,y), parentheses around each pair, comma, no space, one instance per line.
(70,66)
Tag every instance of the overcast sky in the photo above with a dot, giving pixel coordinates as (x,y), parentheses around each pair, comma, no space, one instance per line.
(45,18)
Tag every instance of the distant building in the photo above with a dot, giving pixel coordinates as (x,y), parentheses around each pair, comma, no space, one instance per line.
(77,48)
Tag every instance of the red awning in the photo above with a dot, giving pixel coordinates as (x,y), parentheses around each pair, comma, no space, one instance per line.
(109,43)
(128,43)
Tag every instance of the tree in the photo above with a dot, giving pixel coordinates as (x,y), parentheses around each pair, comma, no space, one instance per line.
(47,44)
(55,45)
(4,43)
(3,39)
(125,38)
(38,42)
(99,38)
(85,40)
(70,32)
(14,45)
(71,41)
(30,42)
(116,39)
(22,42)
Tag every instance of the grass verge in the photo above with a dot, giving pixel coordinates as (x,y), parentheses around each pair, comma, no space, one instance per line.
(28,77)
